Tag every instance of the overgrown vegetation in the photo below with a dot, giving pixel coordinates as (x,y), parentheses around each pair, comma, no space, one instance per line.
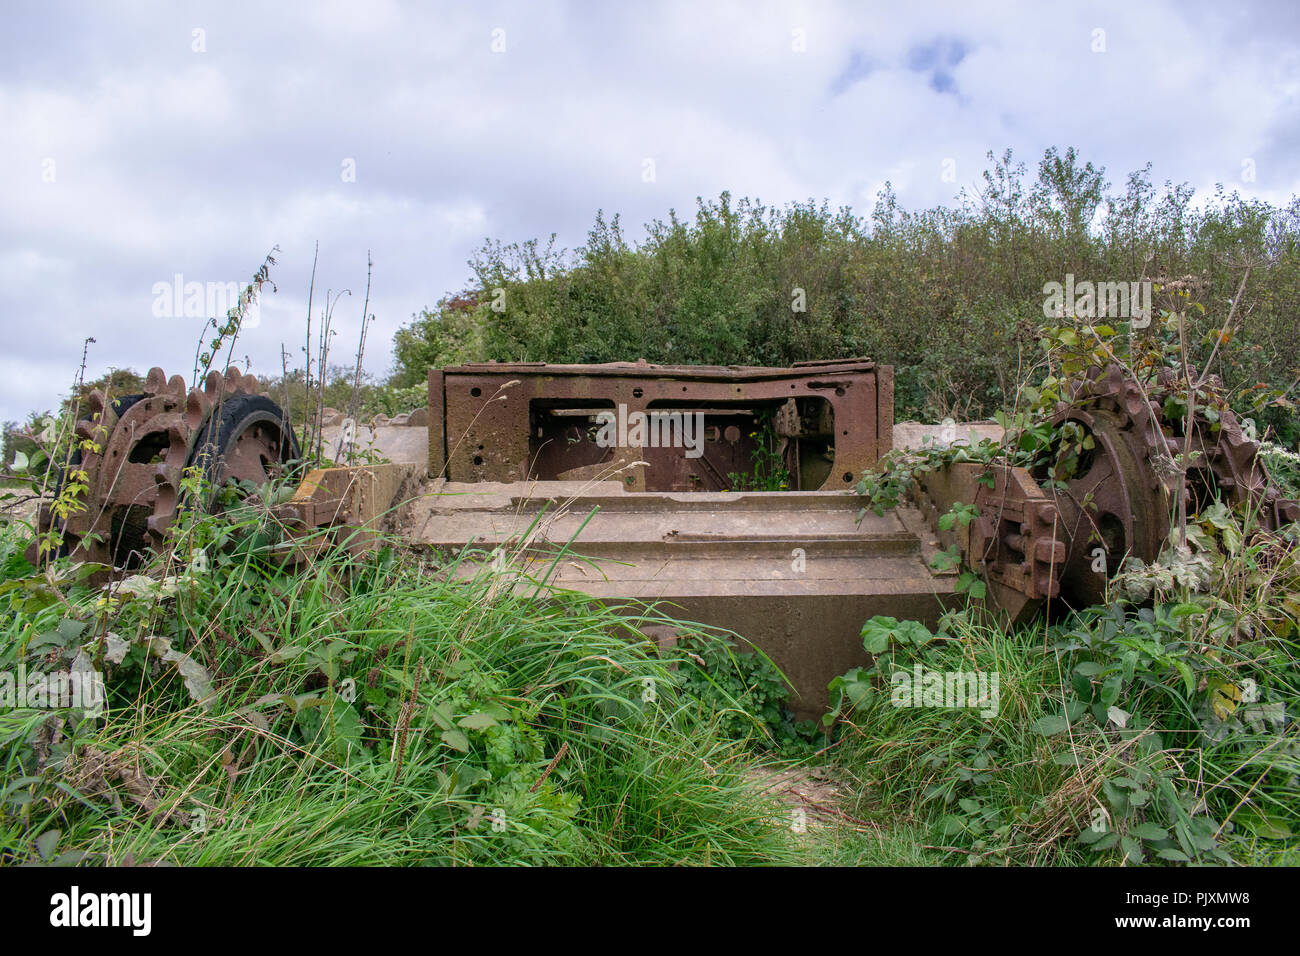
(952,297)
(358,711)
(768,472)
(1156,729)
(390,709)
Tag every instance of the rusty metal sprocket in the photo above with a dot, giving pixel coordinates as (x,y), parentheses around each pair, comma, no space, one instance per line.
(134,466)
(1120,500)
(183,436)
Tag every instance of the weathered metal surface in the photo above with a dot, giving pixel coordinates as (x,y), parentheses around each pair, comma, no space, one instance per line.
(1016,543)
(511,422)
(133,473)
(794,573)
(437,424)
(1120,500)
(1114,507)
(351,506)
(1013,541)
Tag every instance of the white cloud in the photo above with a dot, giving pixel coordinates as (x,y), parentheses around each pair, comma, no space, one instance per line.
(173,161)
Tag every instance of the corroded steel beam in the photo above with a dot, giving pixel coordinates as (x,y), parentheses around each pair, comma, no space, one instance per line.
(516,421)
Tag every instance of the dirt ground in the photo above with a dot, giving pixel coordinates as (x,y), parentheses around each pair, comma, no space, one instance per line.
(815,797)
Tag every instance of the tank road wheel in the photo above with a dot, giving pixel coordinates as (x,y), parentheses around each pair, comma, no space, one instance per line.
(128,534)
(248,440)
(212,415)
(126,529)
(143,443)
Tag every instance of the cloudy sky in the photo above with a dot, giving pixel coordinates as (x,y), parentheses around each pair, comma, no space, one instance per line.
(141,141)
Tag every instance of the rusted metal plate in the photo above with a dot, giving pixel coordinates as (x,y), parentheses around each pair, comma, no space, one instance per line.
(357,505)
(1015,542)
(794,573)
(437,425)
(699,424)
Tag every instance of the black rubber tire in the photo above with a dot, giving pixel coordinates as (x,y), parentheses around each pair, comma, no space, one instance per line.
(230,420)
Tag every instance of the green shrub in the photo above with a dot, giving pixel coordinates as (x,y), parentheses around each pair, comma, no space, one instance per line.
(952,297)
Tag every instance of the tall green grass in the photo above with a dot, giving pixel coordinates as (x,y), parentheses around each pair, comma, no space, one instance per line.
(368,710)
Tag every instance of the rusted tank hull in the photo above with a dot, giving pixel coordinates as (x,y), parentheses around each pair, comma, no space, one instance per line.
(626,482)
(794,574)
(511,422)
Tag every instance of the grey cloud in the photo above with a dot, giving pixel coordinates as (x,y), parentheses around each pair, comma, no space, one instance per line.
(175,161)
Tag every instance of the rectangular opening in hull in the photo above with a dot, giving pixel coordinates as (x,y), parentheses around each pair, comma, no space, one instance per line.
(675,445)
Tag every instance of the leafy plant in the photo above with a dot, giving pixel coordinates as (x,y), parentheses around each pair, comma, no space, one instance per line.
(769,472)
(744,690)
